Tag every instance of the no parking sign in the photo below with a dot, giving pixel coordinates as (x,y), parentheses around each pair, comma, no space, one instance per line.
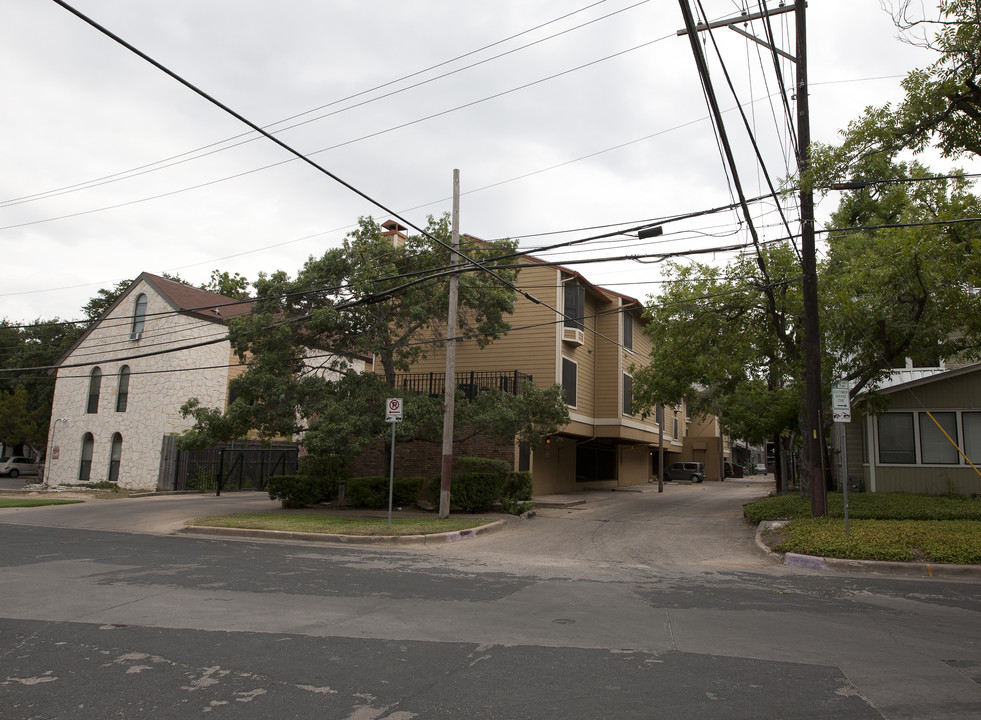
(393,410)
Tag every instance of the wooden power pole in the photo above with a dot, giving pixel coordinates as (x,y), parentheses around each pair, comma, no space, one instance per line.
(814,432)
(449,383)
(814,451)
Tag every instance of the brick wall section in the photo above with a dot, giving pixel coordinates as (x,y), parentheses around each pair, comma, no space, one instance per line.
(424,459)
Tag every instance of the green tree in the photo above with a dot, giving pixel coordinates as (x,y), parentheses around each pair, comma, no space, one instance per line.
(222,283)
(724,341)
(899,280)
(38,344)
(104,297)
(904,262)
(942,103)
(18,422)
(368,298)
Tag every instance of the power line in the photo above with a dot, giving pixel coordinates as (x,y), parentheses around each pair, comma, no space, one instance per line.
(166,162)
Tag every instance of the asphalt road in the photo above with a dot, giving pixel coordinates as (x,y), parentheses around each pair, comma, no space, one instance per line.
(631,605)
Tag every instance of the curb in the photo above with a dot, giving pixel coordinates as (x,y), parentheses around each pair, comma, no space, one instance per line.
(434,539)
(882,567)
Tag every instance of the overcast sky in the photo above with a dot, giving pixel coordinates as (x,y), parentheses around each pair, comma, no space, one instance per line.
(559,116)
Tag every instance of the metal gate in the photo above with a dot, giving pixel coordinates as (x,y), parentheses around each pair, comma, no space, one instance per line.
(233,466)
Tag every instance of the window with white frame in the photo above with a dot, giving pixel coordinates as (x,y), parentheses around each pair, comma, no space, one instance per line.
(972,435)
(914,438)
(897,441)
(569,372)
(628,395)
(936,447)
(574,305)
(628,330)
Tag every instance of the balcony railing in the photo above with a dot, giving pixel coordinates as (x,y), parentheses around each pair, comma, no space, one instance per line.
(471,383)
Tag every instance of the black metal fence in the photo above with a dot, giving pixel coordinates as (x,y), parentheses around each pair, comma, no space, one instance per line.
(471,383)
(227,467)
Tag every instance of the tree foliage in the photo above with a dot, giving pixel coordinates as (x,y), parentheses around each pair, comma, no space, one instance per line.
(898,281)
(724,340)
(230,285)
(942,103)
(903,264)
(37,344)
(104,297)
(18,422)
(368,298)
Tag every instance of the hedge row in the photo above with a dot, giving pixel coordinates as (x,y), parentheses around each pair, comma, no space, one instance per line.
(478,484)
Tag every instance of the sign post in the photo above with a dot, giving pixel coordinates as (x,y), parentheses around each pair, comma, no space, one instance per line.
(841,413)
(393,414)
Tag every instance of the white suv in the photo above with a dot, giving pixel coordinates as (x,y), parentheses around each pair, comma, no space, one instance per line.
(17,465)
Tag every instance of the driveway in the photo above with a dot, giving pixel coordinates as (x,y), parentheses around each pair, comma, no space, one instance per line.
(686,526)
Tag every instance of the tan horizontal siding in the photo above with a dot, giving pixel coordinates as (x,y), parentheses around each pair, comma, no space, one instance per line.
(529,347)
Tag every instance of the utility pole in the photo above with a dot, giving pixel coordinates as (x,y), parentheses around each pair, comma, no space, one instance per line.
(813,455)
(813,445)
(449,383)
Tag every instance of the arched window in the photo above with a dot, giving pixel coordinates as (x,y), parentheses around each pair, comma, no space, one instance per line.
(85,467)
(122,391)
(95,387)
(115,454)
(139,317)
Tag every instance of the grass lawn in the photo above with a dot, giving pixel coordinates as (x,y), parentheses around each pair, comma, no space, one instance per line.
(7,502)
(883,526)
(339,525)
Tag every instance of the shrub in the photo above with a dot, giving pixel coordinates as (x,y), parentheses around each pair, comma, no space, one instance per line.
(869,506)
(482,465)
(519,486)
(296,491)
(328,468)
(478,483)
(372,491)
(516,507)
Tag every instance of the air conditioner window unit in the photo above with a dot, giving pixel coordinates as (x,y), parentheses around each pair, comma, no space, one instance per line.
(135,335)
(573,335)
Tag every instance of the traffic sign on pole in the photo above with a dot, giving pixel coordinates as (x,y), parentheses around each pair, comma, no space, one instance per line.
(393,410)
(841,407)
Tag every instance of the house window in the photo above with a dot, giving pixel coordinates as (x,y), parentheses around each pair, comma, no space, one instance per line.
(139,316)
(95,387)
(628,330)
(628,395)
(115,454)
(122,391)
(935,448)
(674,432)
(569,370)
(972,435)
(85,466)
(575,305)
(897,444)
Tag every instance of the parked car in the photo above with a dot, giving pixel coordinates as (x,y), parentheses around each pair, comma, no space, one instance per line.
(760,468)
(17,465)
(733,470)
(693,471)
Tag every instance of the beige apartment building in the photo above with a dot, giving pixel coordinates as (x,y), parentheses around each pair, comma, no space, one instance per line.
(587,339)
